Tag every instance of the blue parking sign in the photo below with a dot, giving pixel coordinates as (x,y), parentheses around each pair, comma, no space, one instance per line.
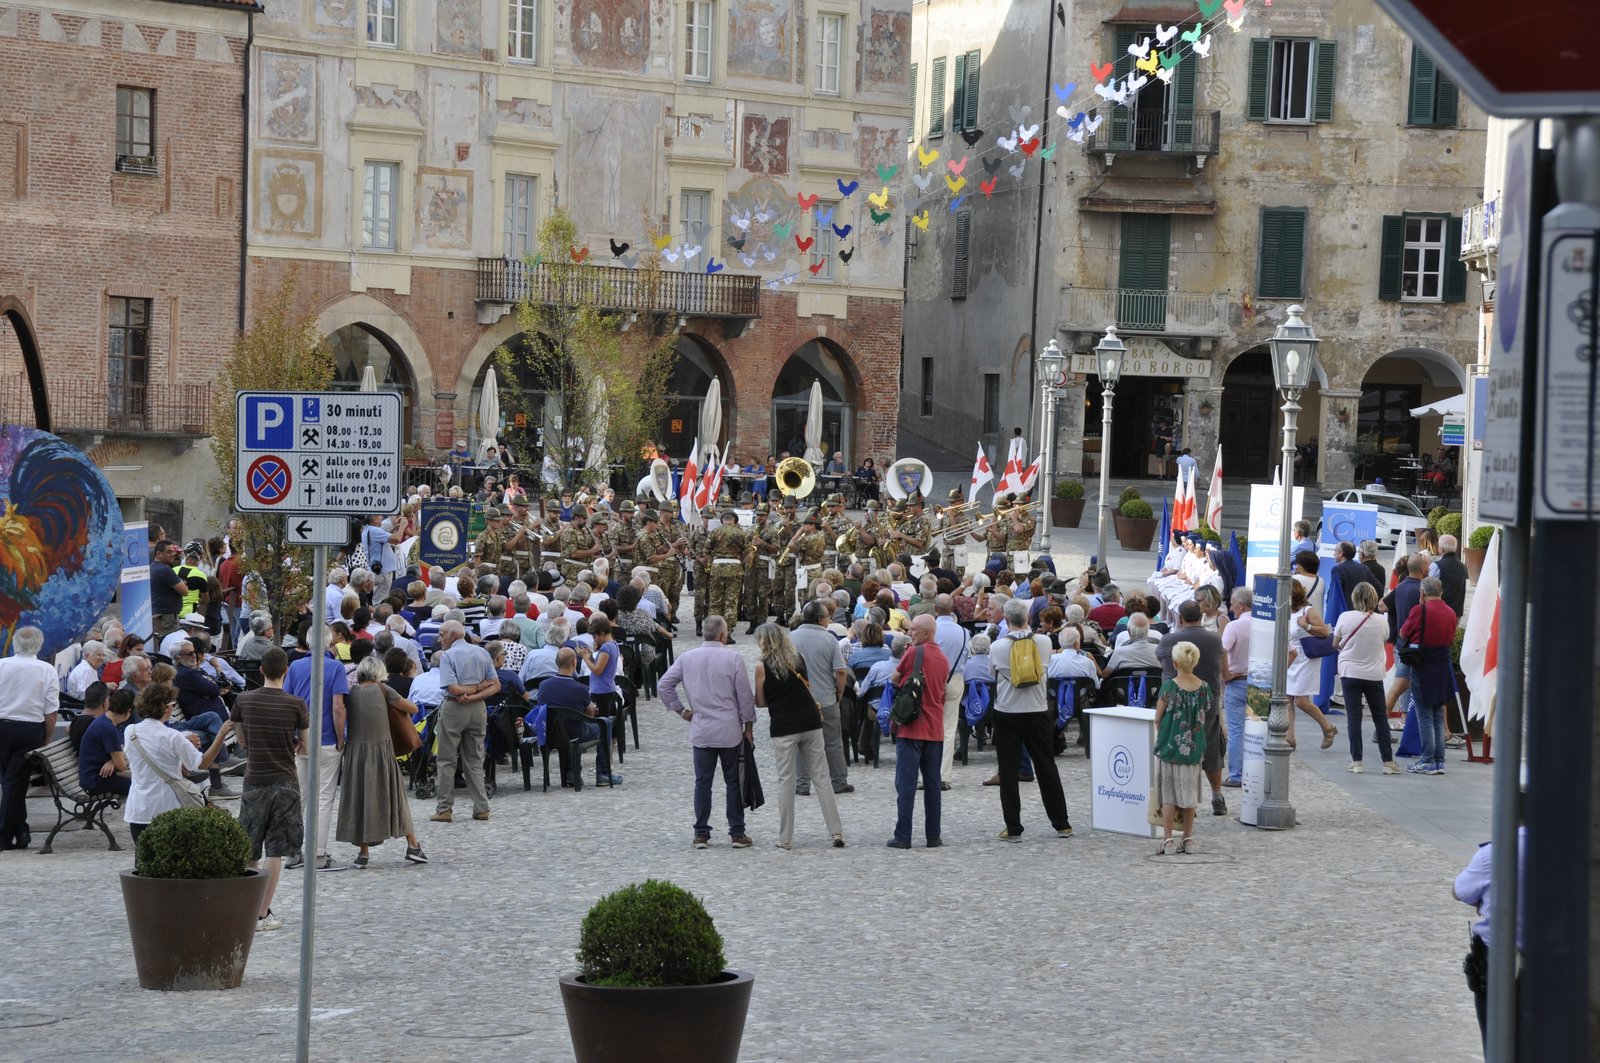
(268,422)
(311,408)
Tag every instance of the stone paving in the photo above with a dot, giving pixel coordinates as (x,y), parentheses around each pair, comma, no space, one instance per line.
(1336,941)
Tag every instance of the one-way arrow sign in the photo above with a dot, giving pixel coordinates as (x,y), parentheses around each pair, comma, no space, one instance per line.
(316,531)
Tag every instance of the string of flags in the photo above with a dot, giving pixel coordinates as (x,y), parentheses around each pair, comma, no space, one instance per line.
(1157,56)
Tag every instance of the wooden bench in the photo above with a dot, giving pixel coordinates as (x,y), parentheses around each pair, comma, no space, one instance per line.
(74,804)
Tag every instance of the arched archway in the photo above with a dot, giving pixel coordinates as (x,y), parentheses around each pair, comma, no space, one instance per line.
(697,364)
(25,392)
(393,332)
(1251,428)
(814,361)
(1389,441)
(360,346)
(543,392)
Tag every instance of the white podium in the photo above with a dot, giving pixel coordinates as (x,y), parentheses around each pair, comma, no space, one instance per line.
(1122,738)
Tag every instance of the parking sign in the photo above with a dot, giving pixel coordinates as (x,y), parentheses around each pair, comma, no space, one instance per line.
(318,452)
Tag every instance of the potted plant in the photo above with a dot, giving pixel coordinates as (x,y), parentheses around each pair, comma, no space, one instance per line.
(1129,494)
(1435,515)
(191,901)
(1066,508)
(415,455)
(1137,527)
(652,982)
(1477,546)
(1450,524)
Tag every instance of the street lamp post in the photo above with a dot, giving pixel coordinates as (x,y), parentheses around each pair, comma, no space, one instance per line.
(1049,368)
(1294,354)
(1108,355)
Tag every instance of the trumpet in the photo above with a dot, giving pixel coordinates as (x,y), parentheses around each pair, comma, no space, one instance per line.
(981,521)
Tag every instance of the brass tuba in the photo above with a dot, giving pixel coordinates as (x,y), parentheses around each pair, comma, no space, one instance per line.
(796,477)
(849,541)
(660,480)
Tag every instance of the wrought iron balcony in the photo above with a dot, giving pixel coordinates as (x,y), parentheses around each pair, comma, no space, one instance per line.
(1144,310)
(1480,231)
(1158,132)
(503,282)
(181,411)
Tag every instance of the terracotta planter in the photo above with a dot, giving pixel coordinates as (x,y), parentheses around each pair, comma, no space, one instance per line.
(204,948)
(1135,534)
(673,1024)
(1066,512)
(1474,560)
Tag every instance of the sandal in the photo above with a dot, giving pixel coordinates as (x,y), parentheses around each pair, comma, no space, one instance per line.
(1168,847)
(1328,736)
(1187,846)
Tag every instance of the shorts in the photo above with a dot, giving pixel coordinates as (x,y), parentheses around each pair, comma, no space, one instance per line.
(1402,670)
(1216,751)
(270,814)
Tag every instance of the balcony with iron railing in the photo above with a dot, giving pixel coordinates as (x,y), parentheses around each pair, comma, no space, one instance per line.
(1152,131)
(1137,310)
(503,282)
(88,407)
(1480,231)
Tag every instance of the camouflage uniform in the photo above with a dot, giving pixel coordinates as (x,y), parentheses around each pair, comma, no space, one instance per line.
(782,587)
(916,529)
(698,537)
(994,540)
(491,547)
(725,571)
(767,539)
(1020,540)
(654,541)
(809,551)
(576,537)
(624,540)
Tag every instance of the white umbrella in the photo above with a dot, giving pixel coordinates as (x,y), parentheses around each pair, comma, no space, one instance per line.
(814,424)
(711,416)
(369,379)
(488,414)
(599,423)
(1455,405)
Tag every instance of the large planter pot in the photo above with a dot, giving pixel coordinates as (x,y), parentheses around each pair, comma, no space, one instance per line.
(673,1024)
(1066,512)
(192,933)
(1135,534)
(1474,559)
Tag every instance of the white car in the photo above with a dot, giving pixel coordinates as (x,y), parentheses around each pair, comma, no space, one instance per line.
(1398,516)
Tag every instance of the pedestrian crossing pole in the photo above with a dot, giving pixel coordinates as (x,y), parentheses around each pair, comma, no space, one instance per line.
(313,739)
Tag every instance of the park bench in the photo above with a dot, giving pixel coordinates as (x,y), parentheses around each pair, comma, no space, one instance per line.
(59,762)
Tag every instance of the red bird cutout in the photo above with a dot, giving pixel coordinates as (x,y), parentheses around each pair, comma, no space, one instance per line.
(986,187)
(579,253)
(816,267)
(806,202)
(804,244)
(1101,72)
(1029,147)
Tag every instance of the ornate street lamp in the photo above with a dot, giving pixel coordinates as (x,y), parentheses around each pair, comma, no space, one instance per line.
(1294,356)
(1050,363)
(1108,355)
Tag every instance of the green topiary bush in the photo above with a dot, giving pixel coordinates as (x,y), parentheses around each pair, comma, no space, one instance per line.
(1069,489)
(1450,524)
(1208,533)
(192,843)
(1129,493)
(649,934)
(1481,535)
(1435,514)
(1137,509)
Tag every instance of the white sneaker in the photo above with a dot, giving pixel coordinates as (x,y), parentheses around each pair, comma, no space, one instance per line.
(268,922)
(1356,767)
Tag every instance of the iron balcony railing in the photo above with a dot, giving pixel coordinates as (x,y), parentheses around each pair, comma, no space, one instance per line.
(1480,229)
(1145,310)
(91,406)
(507,281)
(1176,132)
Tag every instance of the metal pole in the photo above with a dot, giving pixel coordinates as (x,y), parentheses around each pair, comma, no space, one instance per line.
(1276,813)
(1505,804)
(1108,394)
(308,896)
(1047,471)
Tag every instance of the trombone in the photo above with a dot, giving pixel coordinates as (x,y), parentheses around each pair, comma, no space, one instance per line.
(980,521)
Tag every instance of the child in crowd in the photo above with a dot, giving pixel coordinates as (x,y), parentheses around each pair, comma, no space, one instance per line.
(1180,746)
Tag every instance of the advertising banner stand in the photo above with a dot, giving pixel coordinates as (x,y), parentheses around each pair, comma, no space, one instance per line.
(1122,768)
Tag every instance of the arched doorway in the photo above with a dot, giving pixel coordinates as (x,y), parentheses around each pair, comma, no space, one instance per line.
(24,398)
(693,370)
(1250,419)
(536,403)
(355,348)
(814,361)
(1146,413)
(1390,443)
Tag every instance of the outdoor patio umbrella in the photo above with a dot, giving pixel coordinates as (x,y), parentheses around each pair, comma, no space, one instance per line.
(599,424)
(1454,406)
(369,379)
(488,415)
(814,424)
(711,416)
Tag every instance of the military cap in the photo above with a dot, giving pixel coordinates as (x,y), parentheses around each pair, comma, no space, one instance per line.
(955,494)
(812,517)
(728,514)
(762,509)
(628,506)
(492,513)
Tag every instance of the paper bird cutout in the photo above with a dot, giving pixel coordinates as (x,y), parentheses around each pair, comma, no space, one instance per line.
(1170,59)
(782,229)
(922,181)
(748,260)
(1164,75)
(629,261)
(927,158)
(1076,120)
(1020,114)
(1148,63)
(803,242)
(1203,48)
(847,254)
(1117,92)
(955,184)
(971,136)
(880,198)
(737,245)
(1029,147)
(1048,153)
(846,190)
(1234,8)
(1165,33)
(579,253)
(824,217)
(713,266)
(987,187)
(1101,72)
(768,254)
(763,216)
(1139,49)
(806,202)
(672,256)
(1133,83)
(878,219)
(1076,136)
(661,242)
(1189,36)
(842,231)
(956,167)
(920,220)
(1094,123)
(618,250)
(690,252)
(886,172)
(1009,143)
(1017,170)
(1208,7)
(1063,94)
(955,204)
(1236,24)
(991,166)
(741,223)
(816,267)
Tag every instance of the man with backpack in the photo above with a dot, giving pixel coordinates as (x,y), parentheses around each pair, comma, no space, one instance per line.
(1023,721)
(918,715)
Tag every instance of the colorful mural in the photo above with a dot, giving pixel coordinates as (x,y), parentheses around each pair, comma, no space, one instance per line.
(444,209)
(290,200)
(289,97)
(611,34)
(765,143)
(884,59)
(760,38)
(458,28)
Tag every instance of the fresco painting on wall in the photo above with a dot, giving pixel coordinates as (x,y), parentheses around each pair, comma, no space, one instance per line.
(340,13)
(291,193)
(444,208)
(888,34)
(759,41)
(611,34)
(458,28)
(610,177)
(289,97)
(766,145)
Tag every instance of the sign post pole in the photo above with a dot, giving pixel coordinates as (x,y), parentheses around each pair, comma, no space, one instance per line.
(308,902)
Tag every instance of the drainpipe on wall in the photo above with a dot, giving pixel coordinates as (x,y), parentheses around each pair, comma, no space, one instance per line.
(1034,342)
(244,167)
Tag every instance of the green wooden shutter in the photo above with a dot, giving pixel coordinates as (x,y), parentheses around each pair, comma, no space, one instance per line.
(1455,270)
(1327,66)
(974,65)
(958,102)
(1420,109)
(1391,257)
(1121,136)
(1183,116)
(1142,271)
(1281,262)
(1444,111)
(1260,79)
(958,283)
(936,99)
(911,123)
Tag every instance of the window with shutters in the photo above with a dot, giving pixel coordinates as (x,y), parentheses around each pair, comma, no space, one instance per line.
(991,403)
(936,100)
(1142,271)
(911,122)
(1291,80)
(1434,98)
(1282,254)
(927,387)
(964,105)
(826,242)
(830,32)
(958,282)
(1421,259)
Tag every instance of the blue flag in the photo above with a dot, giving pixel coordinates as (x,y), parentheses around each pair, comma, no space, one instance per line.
(1164,535)
(1333,606)
(1238,558)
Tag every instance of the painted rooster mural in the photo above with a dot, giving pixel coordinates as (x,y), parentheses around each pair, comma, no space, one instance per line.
(60,539)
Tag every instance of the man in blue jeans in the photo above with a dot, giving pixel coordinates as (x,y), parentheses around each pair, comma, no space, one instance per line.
(1236,679)
(566,690)
(710,687)
(919,745)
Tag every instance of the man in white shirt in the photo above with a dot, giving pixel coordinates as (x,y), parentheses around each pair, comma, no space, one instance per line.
(1071,662)
(426,690)
(881,673)
(542,661)
(1136,647)
(489,626)
(87,670)
(1023,720)
(29,696)
(333,594)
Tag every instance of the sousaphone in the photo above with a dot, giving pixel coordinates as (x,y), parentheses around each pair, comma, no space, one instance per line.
(907,477)
(796,477)
(660,480)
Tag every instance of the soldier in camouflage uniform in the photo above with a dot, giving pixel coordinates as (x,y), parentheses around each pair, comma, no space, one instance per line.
(699,551)
(950,548)
(766,539)
(725,547)
(834,524)
(874,540)
(914,533)
(808,548)
(1019,527)
(522,539)
(578,546)
(491,542)
(993,537)
(782,597)
(623,541)
(656,552)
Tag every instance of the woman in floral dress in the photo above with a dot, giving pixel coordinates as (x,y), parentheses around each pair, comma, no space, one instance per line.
(1180,746)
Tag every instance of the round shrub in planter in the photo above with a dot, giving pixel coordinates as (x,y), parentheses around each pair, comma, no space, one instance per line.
(1477,546)
(1066,508)
(1129,493)
(1435,515)
(653,982)
(1137,528)
(192,861)
(1450,524)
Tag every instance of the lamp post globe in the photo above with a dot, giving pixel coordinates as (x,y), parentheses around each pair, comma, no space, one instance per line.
(1108,356)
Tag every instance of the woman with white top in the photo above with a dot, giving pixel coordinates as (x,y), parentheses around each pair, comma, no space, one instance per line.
(151,745)
(1360,635)
(1305,673)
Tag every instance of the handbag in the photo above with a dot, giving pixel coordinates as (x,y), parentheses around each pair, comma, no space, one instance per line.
(1410,653)
(402,732)
(189,795)
(1317,646)
(907,705)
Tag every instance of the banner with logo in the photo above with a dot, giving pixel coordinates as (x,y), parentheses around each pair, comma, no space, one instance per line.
(135,588)
(1266,525)
(1258,693)
(444,533)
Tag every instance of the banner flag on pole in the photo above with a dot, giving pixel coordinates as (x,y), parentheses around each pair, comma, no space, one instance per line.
(1480,646)
(1214,495)
(981,474)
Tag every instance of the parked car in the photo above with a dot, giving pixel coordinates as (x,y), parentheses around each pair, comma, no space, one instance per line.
(1398,516)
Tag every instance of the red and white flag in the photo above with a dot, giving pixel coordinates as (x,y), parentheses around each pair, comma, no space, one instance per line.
(1214,495)
(1029,476)
(716,483)
(1180,508)
(703,493)
(1480,645)
(689,484)
(1011,478)
(981,474)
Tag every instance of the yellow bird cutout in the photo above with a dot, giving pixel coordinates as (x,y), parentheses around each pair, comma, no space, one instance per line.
(955,184)
(880,199)
(662,242)
(927,158)
(1148,63)
(921,220)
